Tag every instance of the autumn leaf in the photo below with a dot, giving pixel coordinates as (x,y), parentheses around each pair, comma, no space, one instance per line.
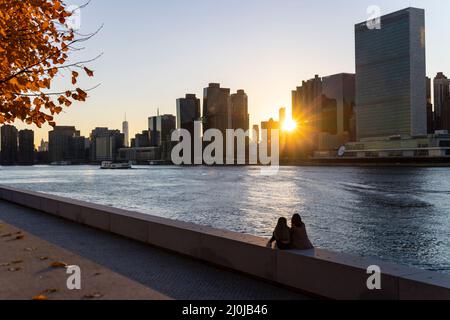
(14,269)
(89,72)
(58,264)
(96,295)
(40,297)
(61,99)
(50,291)
(35,46)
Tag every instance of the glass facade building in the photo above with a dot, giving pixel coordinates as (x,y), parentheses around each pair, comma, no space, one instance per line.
(216,108)
(391,76)
(240,118)
(26,147)
(442,101)
(338,100)
(161,128)
(188,111)
(8,146)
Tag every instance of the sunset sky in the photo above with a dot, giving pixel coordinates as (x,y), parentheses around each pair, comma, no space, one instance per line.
(157,51)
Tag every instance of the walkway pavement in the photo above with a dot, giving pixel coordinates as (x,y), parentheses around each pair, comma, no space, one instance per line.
(113,267)
(31,268)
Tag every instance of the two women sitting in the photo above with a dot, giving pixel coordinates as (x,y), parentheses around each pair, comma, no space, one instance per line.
(294,238)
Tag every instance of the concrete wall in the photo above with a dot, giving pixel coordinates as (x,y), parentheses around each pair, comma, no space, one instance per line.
(319,272)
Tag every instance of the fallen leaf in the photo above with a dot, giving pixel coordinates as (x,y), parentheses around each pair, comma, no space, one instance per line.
(17,262)
(96,295)
(6,235)
(40,298)
(50,291)
(14,269)
(43,258)
(4,265)
(58,264)
(20,237)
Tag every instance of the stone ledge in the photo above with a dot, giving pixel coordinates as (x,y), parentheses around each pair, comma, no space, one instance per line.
(318,272)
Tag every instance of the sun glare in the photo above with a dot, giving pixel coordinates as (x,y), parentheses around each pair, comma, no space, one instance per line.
(289,125)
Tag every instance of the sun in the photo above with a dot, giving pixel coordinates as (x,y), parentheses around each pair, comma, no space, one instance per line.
(289,125)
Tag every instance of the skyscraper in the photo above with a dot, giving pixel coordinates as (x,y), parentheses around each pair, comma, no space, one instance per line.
(142,140)
(240,118)
(188,111)
(126,132)
(325,105)
(65,145)
(26,147)
(338,101)
(307,103)
(8,145)
(161,128)
(269,126)
(256,137)
(442,101)
(430,113)
(390,76)
(282,116)
(216,108)
(105,143)
(43,147)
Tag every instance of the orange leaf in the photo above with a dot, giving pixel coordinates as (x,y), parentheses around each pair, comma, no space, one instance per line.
(89,72)
(58,264)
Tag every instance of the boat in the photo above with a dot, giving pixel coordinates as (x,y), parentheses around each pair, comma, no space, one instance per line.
(116,165)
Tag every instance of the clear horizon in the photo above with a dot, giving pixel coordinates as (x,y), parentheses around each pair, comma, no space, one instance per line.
(156,52)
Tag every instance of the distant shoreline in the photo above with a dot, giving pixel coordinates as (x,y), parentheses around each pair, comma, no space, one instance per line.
(370,162)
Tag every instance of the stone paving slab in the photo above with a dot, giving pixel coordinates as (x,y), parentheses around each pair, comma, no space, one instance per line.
(26,272)
(163,273)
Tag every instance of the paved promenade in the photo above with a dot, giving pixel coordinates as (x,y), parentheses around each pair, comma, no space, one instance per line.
(112,267)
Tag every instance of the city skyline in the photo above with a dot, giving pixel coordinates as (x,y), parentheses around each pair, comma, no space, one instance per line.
(284,59)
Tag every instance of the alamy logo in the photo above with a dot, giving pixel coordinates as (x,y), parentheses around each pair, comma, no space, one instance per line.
(374,281)
(74,280)
(229,150)
(374,20)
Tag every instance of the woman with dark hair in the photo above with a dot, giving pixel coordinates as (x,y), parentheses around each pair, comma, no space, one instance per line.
(281,235)
(299,236)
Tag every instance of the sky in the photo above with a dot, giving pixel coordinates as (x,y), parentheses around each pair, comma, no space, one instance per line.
(155,51)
